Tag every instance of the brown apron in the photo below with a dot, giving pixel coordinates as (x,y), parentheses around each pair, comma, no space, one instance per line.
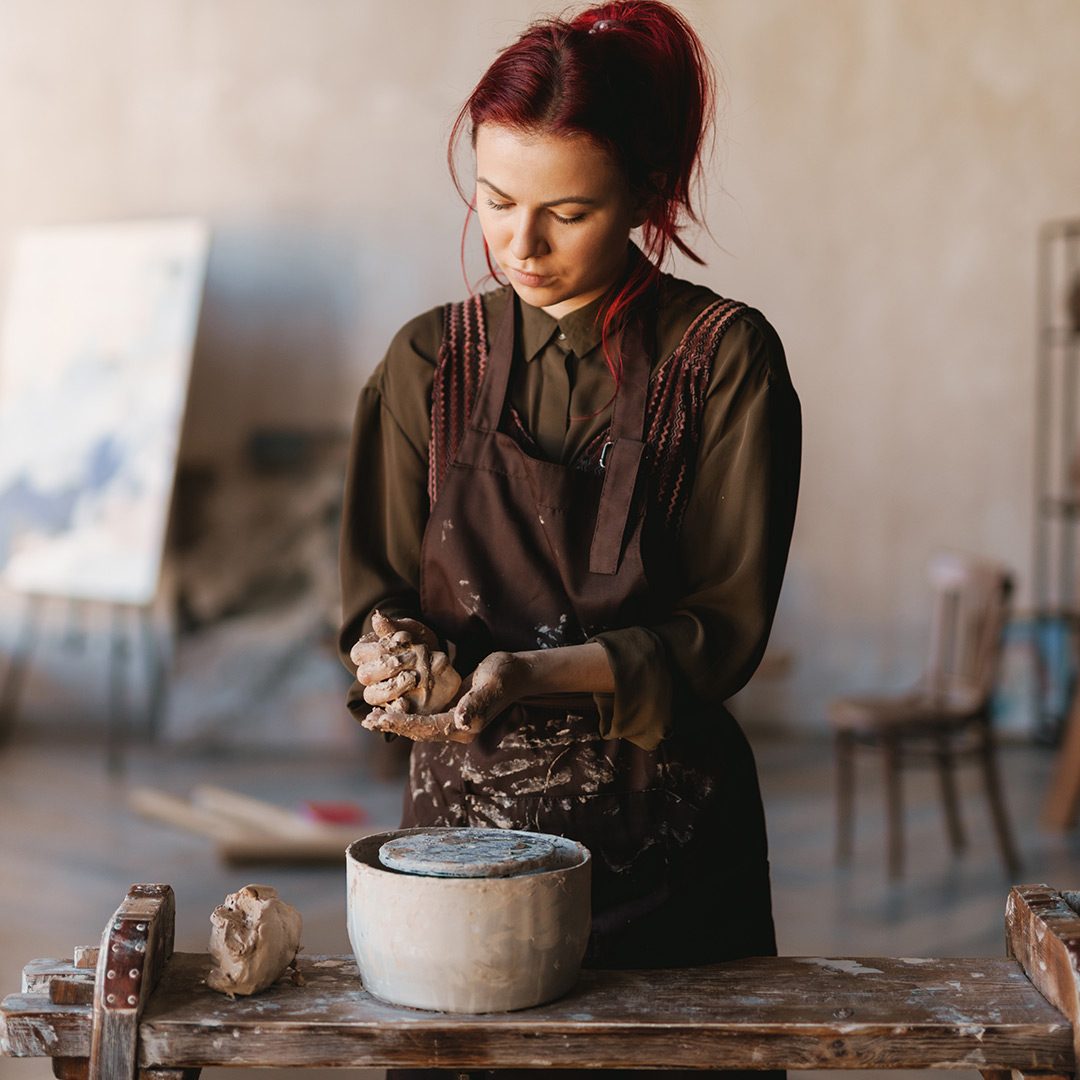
(521,553)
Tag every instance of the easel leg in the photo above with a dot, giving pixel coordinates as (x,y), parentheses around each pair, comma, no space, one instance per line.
(116,732)
(155,670)
(15,676)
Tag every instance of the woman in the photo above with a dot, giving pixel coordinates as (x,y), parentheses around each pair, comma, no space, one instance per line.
(582,484)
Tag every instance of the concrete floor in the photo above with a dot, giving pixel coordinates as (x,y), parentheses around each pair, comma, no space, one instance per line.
(69,848)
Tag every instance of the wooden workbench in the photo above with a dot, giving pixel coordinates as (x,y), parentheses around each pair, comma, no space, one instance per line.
(133,1008)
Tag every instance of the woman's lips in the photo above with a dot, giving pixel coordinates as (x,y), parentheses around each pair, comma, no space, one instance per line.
(534,280)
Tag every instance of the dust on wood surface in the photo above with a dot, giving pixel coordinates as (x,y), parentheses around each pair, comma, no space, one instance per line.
(805,1011)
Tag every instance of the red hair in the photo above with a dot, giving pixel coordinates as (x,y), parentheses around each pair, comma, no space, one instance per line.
(634,77)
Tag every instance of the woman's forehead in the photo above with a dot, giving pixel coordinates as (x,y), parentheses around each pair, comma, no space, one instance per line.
(540,165)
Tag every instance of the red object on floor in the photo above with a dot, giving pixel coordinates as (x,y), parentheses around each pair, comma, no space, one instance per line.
(335,813)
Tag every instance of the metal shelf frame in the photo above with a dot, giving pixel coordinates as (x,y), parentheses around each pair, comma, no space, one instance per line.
(1057,462)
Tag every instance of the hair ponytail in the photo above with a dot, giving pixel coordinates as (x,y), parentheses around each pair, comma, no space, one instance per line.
(634,77)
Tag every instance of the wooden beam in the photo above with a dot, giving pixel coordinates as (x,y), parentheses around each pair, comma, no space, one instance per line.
(1042,930)
(135,947)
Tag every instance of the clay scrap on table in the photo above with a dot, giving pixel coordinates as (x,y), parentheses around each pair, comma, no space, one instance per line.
(254,939)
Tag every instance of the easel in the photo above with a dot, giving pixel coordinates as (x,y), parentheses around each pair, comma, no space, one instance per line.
(122,618)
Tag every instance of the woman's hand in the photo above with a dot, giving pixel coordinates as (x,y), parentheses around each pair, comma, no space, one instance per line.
(400,667)
(500,679)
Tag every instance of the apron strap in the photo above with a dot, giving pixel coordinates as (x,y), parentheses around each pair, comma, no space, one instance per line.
(623,462)
(490,398)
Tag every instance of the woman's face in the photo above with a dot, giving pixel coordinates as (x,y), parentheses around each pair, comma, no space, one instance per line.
(556,214)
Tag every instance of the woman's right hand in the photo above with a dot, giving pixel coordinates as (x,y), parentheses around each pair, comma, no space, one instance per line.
(401,668)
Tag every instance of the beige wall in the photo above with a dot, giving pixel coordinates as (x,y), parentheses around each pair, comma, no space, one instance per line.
(882,170)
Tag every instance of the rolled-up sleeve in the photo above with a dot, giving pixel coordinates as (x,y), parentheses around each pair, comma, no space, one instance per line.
(385,507)
(733,546)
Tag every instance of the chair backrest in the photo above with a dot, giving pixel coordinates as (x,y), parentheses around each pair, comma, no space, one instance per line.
(971,608)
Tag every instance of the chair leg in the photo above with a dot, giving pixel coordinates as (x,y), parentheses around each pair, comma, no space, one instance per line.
(992,778)
(894,807)
(946,763)
(845,796)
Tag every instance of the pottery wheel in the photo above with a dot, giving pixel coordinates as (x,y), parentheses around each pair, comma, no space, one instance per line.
(470,853)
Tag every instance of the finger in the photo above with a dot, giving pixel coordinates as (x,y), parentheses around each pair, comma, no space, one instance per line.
(435,727)
(387,628)
(377,720)
(363,651)
(384,666)
(473,709)
(382,693)
(361,645)
(419,632)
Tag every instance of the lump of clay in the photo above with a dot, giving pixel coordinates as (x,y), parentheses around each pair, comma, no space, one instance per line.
(254,938)
(431,677)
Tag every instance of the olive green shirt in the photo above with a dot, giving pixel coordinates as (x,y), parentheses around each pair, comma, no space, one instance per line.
(739,516)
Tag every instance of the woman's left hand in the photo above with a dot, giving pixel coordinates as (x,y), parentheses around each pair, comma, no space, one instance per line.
(499,680)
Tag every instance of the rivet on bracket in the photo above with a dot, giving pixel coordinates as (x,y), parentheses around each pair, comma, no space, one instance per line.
(110,974)
(134,973)
(132,999)
(141,926)
(110,998)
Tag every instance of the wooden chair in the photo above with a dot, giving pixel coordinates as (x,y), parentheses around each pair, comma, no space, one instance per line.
(945,717)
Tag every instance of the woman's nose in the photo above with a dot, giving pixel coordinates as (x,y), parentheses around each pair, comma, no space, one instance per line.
(528,241)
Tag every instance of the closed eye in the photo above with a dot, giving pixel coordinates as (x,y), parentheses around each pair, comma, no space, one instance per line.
(558,217)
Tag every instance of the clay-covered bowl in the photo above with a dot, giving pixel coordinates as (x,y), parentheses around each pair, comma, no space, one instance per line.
(468,944)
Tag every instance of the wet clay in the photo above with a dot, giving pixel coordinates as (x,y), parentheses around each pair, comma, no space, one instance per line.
(427,681)
(254,938)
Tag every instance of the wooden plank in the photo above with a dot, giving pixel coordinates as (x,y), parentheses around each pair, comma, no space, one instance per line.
(247,830)
(64,983)
(251,814)
(71,992)
(1042,930)
(172,810)
(86,956)
(786,1012)
(135,947)
(70,1068)
(31,1026)
(37,974)
(321,850)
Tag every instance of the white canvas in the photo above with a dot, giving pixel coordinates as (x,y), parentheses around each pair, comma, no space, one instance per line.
(95,358)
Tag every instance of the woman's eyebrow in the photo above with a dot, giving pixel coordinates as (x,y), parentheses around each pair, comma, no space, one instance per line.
(584,200)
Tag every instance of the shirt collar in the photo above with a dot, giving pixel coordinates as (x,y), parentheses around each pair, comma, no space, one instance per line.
(580,327)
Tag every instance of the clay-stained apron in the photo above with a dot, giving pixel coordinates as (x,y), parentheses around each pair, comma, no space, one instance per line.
(521,553)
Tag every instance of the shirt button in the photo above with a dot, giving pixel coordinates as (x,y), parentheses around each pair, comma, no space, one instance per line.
(562,336)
